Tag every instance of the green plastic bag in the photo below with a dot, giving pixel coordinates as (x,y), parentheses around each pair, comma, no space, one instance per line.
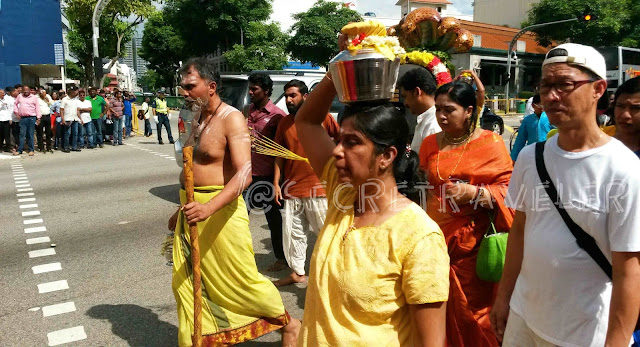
(493,249)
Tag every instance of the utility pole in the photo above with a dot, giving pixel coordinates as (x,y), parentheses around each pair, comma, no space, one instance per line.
(95,24)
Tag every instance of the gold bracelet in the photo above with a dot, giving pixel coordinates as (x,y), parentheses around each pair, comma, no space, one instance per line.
(327,77)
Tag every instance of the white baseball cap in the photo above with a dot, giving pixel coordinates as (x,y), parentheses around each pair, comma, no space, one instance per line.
(580,55)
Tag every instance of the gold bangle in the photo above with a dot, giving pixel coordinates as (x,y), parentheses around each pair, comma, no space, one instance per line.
(327,76)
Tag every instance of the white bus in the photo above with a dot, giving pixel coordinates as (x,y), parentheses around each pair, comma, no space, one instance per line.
(623,63)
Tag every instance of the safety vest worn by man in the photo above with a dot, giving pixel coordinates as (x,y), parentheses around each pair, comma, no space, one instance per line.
(161,106)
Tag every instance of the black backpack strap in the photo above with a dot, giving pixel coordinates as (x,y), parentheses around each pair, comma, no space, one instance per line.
(584,240)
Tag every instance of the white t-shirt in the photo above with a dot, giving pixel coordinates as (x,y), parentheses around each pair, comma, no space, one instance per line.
(10,100)
(85,116)
(528,109)
(5,110)
(70,109)
(44,106)
(145,110)
(561,292)
(427,125)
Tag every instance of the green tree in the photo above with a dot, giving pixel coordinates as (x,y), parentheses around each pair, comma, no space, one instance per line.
(75,72)
(115,30)
(315,31)
(151,81)
(206,25)
(264,49)
(615,23)
(163,48)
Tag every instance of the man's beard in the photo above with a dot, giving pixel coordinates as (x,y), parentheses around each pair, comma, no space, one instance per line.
(293,109)
(198,104)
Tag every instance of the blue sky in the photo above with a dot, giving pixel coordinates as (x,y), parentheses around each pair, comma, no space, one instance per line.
(283,9)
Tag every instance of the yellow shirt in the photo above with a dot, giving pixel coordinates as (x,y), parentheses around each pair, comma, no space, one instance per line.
(360,288)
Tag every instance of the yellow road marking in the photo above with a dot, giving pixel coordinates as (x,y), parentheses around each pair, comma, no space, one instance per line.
(510,129)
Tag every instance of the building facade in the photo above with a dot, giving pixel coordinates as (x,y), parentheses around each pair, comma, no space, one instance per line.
(31,44)
(132,57)
(488,56)
(509,13)
(407,6)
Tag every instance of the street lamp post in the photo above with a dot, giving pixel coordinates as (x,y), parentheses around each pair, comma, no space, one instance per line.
(95,25)
(513,43)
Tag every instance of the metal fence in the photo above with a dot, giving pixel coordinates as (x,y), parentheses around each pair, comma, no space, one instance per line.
(506,105)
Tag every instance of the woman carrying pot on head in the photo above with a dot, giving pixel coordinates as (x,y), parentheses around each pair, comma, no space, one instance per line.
(468,169)
(379,271)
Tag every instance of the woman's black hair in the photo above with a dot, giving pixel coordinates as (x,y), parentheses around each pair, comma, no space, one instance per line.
(385,126)
(631,86)
(464,95)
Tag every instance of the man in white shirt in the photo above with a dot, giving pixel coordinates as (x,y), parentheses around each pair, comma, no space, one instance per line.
(528,109)
(84,114)
(70,120)
(552,292)
(10,98)
(5,122)
(146,113)
(417,87)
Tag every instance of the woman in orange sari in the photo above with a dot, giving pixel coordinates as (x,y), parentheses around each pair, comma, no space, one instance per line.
(469,169)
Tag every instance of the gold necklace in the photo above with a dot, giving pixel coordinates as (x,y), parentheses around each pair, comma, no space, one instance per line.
(353,223)
(458,163)
(456,140)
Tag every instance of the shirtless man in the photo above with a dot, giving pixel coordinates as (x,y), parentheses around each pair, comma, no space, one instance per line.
(239,304)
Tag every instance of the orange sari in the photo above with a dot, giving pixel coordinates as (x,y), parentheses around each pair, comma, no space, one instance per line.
(485,162)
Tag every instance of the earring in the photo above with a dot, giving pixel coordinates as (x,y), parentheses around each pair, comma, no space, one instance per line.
(383,167)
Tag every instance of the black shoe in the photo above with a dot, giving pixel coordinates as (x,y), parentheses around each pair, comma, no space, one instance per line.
(65,150)
(101,145)
(172,142)
(161,143)
(76,150)
(50,151)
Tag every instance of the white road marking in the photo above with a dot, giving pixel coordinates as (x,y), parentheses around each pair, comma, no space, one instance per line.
(22,185)
(39,269)
(63,336)
(30,213)
(52,286)
(24,194)
(19,176)
(21,181)
(34,240)
(25,189)
(34,309)
(29,205)
(26,199)
(57,309)
(42,252)
(34,230)
(32,221)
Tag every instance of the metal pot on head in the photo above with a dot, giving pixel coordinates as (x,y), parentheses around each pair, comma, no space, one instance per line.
(363,75)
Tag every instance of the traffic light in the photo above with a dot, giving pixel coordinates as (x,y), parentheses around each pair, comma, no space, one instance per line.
(587,16)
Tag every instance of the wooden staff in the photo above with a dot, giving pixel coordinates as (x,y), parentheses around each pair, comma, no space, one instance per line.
(187,159)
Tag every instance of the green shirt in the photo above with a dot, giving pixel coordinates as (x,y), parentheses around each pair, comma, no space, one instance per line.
(97,104)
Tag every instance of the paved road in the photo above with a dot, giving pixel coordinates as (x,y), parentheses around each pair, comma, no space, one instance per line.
(87,270)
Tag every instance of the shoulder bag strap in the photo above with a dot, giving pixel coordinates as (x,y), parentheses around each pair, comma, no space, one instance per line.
(584,240)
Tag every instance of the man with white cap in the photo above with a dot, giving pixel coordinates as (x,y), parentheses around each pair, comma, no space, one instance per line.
(555,290)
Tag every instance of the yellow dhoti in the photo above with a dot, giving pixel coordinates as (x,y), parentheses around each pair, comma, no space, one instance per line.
(238,303)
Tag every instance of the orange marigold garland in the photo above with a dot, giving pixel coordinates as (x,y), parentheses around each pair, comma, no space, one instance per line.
(431,62)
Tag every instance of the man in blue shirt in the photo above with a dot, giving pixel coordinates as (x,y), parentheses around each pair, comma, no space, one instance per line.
(129,98)
(534,128)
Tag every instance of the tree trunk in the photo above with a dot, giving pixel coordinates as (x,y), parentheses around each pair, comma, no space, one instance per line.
(118,52)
